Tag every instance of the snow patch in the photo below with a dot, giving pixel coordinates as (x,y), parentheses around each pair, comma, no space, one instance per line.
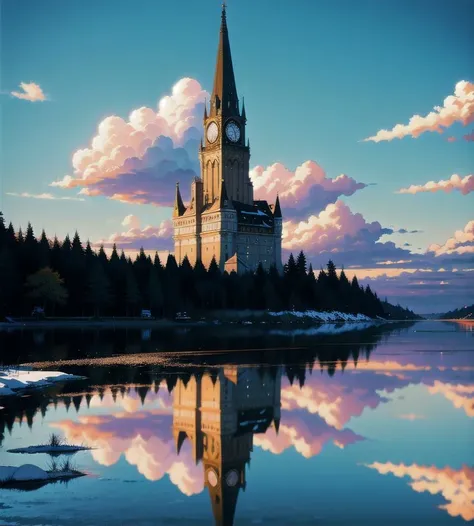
(333,316)
(325,328)
(13,381)
(30,472)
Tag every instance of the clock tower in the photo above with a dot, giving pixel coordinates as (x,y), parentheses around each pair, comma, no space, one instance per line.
(225,156)
(223,222)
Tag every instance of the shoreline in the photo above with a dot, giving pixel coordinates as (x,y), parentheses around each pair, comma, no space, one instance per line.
(167,324)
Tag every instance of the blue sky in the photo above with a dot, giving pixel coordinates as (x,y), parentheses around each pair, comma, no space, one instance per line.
(318,77)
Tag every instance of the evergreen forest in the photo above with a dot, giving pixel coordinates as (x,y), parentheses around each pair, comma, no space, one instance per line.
(69,279)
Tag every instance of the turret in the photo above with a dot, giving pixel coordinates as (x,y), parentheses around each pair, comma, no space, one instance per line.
(277,208)
(244,114)
(224,201)
(179,207)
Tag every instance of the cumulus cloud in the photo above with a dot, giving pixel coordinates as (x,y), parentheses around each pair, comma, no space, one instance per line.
(156,238)
(338,233)
(458,107)
(140,159)
(131,221)
(47,196)
(465,185)
(462,242)
(332,230)
(305,189)
(456,486)
(29,91)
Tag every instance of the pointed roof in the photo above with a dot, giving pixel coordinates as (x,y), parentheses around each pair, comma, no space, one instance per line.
(224,94)
(179,207)
(244,114)
(224,201)
(224,497)
(277,208)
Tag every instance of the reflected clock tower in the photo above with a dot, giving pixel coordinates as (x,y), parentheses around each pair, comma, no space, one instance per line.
(219,416)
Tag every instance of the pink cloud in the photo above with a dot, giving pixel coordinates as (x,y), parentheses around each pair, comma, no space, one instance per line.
(139,159)
(456,486)
(306,188)
(47,196)
(157,238)
(346,237)
(461,396)
(131,221)
(464,185)
(456,108)
(307,434)
(451,139)
(330,230)
(462,242)
(469,137)
(411,416)
(30,91)
(145,439)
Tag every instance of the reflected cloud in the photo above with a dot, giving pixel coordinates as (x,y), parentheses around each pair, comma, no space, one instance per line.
(462,396)
(146,441)
(411,416)
(456,486)
(307,434)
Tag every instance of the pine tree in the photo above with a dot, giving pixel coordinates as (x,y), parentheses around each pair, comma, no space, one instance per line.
(132,293)
(155,293)
(44,249)
(98,288)
(3,231)
(301,264)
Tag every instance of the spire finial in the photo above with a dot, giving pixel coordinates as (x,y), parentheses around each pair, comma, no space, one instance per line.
(224,15)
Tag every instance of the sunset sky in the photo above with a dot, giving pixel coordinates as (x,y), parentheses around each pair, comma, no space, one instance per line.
(321,81)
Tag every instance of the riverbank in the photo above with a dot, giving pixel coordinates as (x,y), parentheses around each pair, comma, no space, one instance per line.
(215,318)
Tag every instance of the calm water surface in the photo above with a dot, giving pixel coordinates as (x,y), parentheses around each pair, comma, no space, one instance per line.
(364,427)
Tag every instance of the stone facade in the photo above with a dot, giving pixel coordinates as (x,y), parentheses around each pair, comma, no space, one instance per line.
(222,220)
(218,415)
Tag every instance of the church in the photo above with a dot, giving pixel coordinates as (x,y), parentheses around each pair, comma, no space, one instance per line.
(222,220)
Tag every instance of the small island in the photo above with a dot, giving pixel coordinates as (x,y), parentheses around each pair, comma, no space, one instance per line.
(55,446)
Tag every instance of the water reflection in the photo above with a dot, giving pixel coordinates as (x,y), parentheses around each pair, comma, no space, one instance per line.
(370,415)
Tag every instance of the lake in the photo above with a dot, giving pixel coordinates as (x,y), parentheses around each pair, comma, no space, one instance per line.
(249,425)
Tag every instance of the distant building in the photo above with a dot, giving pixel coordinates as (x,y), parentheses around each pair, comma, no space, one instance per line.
(222,220)
(219,416)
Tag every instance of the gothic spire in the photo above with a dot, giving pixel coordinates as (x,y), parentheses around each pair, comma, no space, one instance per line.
(244,115)
(224,201)
(277,208)
(179,207)
(224,94)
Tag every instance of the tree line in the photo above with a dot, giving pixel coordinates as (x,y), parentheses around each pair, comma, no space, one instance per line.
(70,279)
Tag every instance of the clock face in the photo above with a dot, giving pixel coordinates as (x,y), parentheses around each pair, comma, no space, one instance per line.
(232,131)
(232,478)
(212,132)
(212,478)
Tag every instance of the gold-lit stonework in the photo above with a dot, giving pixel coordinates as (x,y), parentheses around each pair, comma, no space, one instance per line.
(222,220)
